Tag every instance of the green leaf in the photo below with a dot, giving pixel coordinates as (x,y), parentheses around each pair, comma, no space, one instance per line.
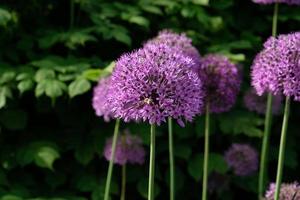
(25,85)
(142,21)
(121,37)
(13,119)
(84,153)
(6,17)
(5,92)
(10,197)
(7,77)
(92,74)
(43,74)
(182,151)
(241,122)
(142,188)
(217,163)
(45,157)
(195,167)
(78,87)
(201,2)
(54,88)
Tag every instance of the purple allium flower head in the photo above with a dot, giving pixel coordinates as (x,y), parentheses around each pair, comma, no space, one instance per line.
(289,191)
(154,83)
(99,100)
(256,103)
(290,2)
(242,158)
(221,80)
(180,42)
(276,68)
(129,149)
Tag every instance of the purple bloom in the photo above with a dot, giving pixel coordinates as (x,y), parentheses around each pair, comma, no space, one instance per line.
(180,42)
(154,83)
(129,149)
(290,2)
(287,191)
(99,99)
(256,103)
(221,80)
(242,158)
(276,68)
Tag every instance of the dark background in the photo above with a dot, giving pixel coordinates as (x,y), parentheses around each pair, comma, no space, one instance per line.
(52,52)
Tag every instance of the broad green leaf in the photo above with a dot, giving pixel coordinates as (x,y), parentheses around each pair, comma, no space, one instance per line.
(92,74)
(142,188)
(45,157)
(5,92)
(54,88)
(43,74)
(121,37)
(84,153)
(195,167)
(201,2)
(6,17)
(217,163)
(7,77)
(182,151)
(142,21)
(78,87)
(25,85)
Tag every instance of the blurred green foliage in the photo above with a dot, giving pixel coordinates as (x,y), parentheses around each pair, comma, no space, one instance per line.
(52,54)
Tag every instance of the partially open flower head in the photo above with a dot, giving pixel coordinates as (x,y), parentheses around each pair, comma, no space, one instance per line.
(289,2)
(242,158)
(154,83)
(180,42)
(256,103)
(276,68)
(129,149)
(288,191)
(221,80)
(99,100)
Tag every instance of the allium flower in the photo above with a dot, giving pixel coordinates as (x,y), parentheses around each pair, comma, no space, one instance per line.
(290,2)
(256,103)
(154,83)
(242,158)
(287,191)
(276,68)
(180,42)
(129,149)
(221,80)
(99,99)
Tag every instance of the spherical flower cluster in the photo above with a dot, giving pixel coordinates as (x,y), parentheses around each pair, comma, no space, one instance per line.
(154,83)
(287,191)
(242,158)
(221,80)
(99,100)
(290,2)
(180,42)
(258,104)
(129,149)
(276,68)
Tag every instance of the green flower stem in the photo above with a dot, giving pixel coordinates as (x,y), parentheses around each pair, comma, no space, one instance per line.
(151,164)
(171,156)
(111,162)
(123,191)
(282,147)
(206,154)
(265,147)
(268,122)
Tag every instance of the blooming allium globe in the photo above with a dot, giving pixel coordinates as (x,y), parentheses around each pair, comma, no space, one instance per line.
(154,83)
(180,42)
(287,191)
(276,68)
(256,103)
(242,158)
(129,149)
(290,2)
(221,82)
(99,99)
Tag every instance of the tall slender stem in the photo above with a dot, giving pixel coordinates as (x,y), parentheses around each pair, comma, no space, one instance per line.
(206,154)
(282,147)
(264,148)
(268,122)
(151,164)
(171,156)
(71,14)
(111,162)
(123,190)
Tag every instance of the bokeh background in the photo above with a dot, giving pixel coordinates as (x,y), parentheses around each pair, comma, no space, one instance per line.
(53,52)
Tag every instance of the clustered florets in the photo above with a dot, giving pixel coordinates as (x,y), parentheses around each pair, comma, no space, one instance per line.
(290,2)
(287,191)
